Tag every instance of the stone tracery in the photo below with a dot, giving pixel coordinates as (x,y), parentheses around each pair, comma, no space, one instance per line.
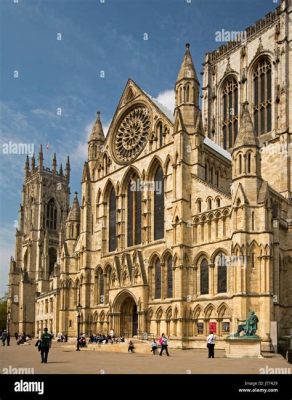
(132,134)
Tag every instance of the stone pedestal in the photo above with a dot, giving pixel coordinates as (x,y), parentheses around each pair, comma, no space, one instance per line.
(242,347)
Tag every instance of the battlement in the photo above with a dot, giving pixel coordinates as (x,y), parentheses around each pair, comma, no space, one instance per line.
(250,32)
(46,170)
(31,168)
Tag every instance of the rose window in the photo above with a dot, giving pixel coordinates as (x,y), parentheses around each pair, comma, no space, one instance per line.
(132,134)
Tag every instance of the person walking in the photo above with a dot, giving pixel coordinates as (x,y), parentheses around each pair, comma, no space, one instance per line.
(131,347)
(211,344)
(164,344)
(154,347)
(45,344)
(4,337)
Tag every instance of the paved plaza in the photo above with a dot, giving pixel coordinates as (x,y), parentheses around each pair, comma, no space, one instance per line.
(64,359)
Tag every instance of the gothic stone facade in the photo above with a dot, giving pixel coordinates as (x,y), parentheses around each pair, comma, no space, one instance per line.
(185,220)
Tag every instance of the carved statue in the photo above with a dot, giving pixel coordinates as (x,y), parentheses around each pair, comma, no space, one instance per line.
(250,325)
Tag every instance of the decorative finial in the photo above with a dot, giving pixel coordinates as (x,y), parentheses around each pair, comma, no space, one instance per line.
(187,46)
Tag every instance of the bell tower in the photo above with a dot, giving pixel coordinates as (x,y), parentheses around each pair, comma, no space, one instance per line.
(42,215)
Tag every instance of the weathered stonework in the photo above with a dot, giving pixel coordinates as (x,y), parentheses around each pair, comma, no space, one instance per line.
(221,207)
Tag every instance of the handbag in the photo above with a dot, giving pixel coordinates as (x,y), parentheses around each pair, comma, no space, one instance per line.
(38,344)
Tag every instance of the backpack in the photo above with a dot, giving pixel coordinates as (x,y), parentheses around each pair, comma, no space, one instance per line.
(45,340)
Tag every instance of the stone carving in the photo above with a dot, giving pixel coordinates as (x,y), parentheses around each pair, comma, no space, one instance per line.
(132,134)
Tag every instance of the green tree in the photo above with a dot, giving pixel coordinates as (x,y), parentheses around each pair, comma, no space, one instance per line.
(3,312)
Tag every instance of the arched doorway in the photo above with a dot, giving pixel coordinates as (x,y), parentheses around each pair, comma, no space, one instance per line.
(129,317)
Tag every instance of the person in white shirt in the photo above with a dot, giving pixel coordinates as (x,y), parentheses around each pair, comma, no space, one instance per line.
(211,344)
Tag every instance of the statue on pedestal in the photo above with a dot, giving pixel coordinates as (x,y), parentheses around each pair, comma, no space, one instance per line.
(249,327)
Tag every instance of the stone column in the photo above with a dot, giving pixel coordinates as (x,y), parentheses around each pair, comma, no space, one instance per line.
(219,325)
(116,322)
(195,283)
(212,278)
(206,326)
(163,280)
(150,282)
(142,321)
(180,327)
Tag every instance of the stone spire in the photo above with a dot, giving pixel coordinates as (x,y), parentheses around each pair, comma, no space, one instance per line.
(67,169)
(74,213)
(187,89)
(54,164)
(187,69)
(246,135)
(246,157)
(95,140)
(97,131)
(41,157)
(32,163)
(26,166)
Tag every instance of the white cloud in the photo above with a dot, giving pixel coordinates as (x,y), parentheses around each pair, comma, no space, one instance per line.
(167,99)
(106,127)
(44,113)
(79,154)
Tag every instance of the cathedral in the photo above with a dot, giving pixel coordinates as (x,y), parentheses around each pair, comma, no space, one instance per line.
(184,220)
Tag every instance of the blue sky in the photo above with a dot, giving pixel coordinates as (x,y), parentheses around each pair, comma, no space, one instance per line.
(96,35)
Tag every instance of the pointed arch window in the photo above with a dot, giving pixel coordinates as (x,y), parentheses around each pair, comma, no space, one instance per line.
(217,178)
(204,276)
(158,204)
(262,93)
(240,164)
(230,111)
(52,259)
(188,93)
(199,205)
(51,217)
(180,95)
(112,221)
(222,273)
(249,163)
(169,278)
(157,271)
(134,212)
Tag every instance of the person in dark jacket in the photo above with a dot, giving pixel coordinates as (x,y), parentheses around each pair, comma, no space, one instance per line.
(4,337)
(131,347)
(45,344)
